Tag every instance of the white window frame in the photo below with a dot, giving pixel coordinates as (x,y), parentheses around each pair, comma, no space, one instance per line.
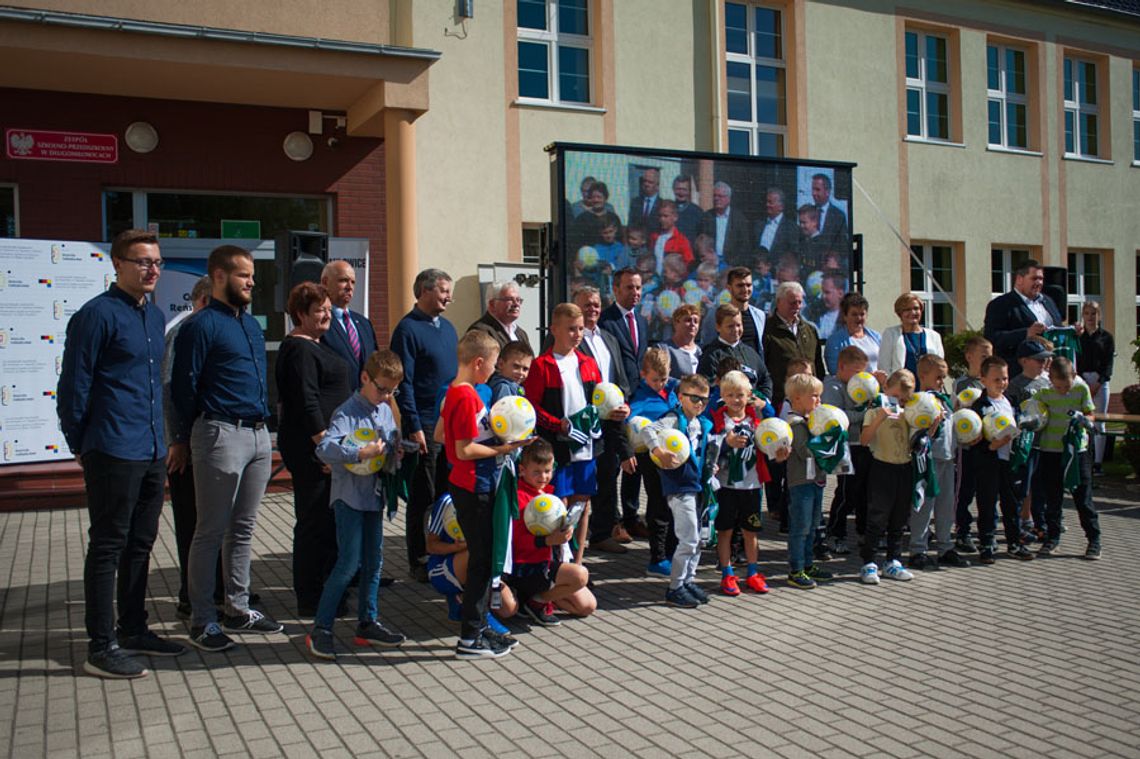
(1077,295)
(553,39)
(755,127)
(15,204)
(1004,97)
(922,85)
(1079,109)
(929,294)
(1136,116)
(1007,267)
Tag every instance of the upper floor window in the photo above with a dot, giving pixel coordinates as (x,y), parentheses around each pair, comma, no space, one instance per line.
(555,49)
(1006,95)
(933,283)
(927,85)
(756,77)
(1082,112)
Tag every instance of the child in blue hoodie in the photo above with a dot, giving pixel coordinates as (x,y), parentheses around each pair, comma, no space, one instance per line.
(655,395)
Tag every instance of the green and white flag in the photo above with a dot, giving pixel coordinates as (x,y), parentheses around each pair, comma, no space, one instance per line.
(503,512)
(922,471)
(1070,453)
(829,449)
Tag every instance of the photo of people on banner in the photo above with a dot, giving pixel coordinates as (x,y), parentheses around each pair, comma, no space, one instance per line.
(683,222)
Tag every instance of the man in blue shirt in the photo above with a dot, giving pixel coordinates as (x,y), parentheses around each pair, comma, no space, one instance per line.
(110,410)
(220,402)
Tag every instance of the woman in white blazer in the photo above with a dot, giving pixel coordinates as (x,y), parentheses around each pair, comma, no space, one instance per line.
(903,345)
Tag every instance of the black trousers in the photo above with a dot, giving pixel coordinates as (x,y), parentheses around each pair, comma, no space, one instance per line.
(429,480)
(994,484)
(658,515)
(314,533)
(966,475)
(1049,480)
(776,491)
(604,504)
(184,507)
(851,495)
(473,510)
(631,495)
(124,502)
(888,508)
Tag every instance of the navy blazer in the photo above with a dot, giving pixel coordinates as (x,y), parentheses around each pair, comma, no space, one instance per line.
(1008,319)
(635,218)
(611,321)
(835,236)
(337,339)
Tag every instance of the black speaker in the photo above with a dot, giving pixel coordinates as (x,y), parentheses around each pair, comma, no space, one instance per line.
(1057,286)
(300,257)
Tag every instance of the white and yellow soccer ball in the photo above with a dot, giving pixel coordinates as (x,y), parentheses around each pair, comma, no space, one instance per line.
(814,284)
(512,418)
(969,396)
(773,434)
(545,515)
(862,387)
(588,257)
(724,298)
(692,292)
(998,426)
(677,443)
(1034,415)
(967,426)
(667,302)
(451,522)
(921,410)
(359,439)
(826,417)
(606,397)
(635,431)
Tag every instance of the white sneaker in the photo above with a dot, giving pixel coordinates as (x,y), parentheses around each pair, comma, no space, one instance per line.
(870,574)
(896,571)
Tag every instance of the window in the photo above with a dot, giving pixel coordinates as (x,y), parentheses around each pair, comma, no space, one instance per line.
(555,50)
(1136,115)
(1082,115)
(1004,262)
(927,86)
(8,226)
(937,268)
(193,215)
(1085,283)
(1138,294)
(1006,97)
(533,239)
(756,77)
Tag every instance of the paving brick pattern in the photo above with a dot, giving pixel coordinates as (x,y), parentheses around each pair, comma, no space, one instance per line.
(1036,659)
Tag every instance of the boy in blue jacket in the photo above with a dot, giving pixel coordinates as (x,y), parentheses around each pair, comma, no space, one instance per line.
(655,395)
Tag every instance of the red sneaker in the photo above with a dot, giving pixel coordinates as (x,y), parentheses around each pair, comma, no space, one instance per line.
(729,586)
(756,583)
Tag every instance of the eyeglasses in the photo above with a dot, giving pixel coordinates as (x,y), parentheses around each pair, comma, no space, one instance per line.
(515,301)
(385,391)
(145,263)
(700,400)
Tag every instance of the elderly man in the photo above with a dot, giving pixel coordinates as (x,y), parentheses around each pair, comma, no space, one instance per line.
(777,234)
(728,227)
(351,334)
(500,320)
(1021,314)
(643,208)
(109,402)
(426,343)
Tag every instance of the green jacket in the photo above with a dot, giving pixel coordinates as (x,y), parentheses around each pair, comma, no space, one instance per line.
(781,345)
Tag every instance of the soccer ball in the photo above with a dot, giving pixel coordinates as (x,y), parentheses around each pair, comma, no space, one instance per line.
(512,418)
(634,430)
(1034,415)
(921,410)
(772,435)
(967,426)
(724,298)
(545,515)
(677,443)
(667,302)
(451,521)
(588,257)
(969,396)
(359,439)
(693,292)
(826,417)
(998,425)
(862,387)
(814,284)
(607,396)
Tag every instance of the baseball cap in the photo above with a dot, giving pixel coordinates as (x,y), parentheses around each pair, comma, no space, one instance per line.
(1033,349)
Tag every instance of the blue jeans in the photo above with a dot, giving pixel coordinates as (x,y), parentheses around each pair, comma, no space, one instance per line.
(359,543)
(805,508)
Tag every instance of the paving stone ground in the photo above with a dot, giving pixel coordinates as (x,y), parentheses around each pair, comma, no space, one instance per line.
(1036,659)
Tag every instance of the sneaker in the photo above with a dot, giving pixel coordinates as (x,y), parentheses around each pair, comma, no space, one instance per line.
(1048,548)
(663,568)
(149,644)
(729,585)
(681,597)
(839,547)
(896,571)
(607,545)
(818,573)
(210,638)
(922,561)
(952,559)
(454,608)
(1020,552)
(495,625)
(965,544)
(374,633)
(480,647)
(757,584)
(541,614)
(499,639)
(869,574)
(986,556)
(114,663)
(1092,553)
(697,592)
(253,621)
(321,644)
(801,580)
(821,552)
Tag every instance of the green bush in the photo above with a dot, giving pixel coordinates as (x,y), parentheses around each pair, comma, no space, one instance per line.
(955,347)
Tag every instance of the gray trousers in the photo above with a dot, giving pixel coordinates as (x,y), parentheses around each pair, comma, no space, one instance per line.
(942,506)
(685,524)
(232,466)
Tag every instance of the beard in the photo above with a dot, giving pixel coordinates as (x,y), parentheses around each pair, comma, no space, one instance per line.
(236,294)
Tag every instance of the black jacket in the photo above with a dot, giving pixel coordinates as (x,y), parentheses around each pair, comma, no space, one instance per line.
(1007,321)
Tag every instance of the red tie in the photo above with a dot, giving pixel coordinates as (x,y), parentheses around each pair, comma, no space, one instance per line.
(632,330)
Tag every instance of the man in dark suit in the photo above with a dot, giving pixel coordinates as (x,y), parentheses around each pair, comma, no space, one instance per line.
(729,228)
(504,304)
(688,213)
(778,234)
(832,221)
(622,320)
(643,208)
(351,334)
(1020,314)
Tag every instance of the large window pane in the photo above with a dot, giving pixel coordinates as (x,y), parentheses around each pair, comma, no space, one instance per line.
(935,59)
(942,266)
(917,273)
(532,14)
(914,113)
(997,272)
(573,17)
(573,74)
(191,215)
(769,95)
(912,55)
(769,145)
(1088,83)
(1073,273)
(768,43)
(993,71)
(937,116)
(1069,120)
(736,28)
(1015,72)
(738,142)
(739,92)
(534,79)
(994,108)
(118,213)
(942,318)
(1089,134)
(1136,141)
(1017,135)
(1092,274)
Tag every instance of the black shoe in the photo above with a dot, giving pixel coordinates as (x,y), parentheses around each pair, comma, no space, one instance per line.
(821,552)
(183,610)
(986,555)
(252,621)
(148,644)
(481,647)
(210,638)
(1019,552)
(539,614)
(923,562)
(499,639)
(321,644)
(1092,553)
(375,634)
(114,663)
(952,559)
(1048,548)
(386,581)
(697,592)
(965,544)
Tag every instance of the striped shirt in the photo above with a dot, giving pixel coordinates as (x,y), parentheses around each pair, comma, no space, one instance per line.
(1060,405)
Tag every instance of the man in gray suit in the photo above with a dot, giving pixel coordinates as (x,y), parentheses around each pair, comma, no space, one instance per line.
(504,305)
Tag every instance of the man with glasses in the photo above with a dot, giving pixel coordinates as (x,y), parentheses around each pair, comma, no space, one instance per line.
(109,402)
(351,335)
(500,320)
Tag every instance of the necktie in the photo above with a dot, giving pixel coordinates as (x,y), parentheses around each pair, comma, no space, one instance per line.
(353,337)
(645,211)
(632,330)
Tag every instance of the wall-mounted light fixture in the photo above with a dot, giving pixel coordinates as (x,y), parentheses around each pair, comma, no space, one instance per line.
(298,146)
(141,137)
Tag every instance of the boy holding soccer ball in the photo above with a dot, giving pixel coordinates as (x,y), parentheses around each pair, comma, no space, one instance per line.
(932,372)
(805,481)
(510,371)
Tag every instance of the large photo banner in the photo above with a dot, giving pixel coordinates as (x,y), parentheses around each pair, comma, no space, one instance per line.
(42,283)
(682,220)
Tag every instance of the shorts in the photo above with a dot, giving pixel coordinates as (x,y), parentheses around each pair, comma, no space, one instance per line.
(738,509)
(576,478)
(441,573)
(528,580)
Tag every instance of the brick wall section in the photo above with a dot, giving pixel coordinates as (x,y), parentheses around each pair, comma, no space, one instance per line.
(202,146)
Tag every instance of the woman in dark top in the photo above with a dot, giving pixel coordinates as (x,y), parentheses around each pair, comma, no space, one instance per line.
(312,380)
(1098,350)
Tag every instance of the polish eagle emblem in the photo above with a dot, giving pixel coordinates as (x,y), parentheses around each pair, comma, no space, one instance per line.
(21,143)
